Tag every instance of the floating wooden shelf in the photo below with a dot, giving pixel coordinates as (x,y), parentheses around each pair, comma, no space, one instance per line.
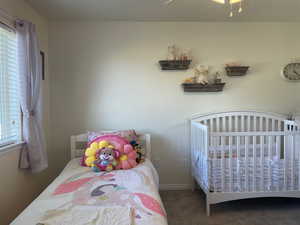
(175,64)
(236,70)
(187,87)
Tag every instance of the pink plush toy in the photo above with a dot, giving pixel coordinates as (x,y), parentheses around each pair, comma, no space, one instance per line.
(128,158)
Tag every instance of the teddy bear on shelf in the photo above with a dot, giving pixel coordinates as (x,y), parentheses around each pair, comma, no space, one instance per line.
(106,159)
(200,76)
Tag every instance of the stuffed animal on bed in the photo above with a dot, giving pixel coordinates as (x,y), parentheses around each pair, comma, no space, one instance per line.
(101,156)
(110,152)
(106,159)
(128,158)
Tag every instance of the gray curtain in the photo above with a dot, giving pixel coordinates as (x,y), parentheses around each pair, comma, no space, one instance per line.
(33,155)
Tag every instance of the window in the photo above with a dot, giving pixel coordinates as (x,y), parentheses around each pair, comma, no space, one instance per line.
(10,111)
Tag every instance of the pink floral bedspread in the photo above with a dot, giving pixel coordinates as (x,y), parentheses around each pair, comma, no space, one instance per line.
(136,188)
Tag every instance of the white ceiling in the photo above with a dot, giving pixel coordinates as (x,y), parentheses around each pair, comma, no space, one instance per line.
(155,10)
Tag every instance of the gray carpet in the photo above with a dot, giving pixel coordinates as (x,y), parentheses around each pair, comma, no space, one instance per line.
(188,208)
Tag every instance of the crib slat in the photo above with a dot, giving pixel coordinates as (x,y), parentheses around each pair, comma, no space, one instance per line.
(224,124)
(214,166)
(238,152)
(277,143)
(243,123)
(269,165)
(198,149)
(218,124)
(206,142)
(230,124)
(254,123)
(292,160)
(236,120)
(222,161)
(248,122)
(230,165)
(261,124)
(273,125)
(285,164)
(246,161)
(298,162)
(213,124)
(262,163)
(254,164)
(267,124)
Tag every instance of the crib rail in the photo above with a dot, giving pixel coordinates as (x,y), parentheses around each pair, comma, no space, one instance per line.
(242,121)
(272,133)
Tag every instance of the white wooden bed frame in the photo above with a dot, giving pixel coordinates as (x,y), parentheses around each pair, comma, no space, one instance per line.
(268,133)
(78,144)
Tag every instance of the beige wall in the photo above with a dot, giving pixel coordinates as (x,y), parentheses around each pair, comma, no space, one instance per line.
(19,188)
(105,76)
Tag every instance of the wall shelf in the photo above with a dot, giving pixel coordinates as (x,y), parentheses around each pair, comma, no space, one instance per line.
(189,87)
(175,64)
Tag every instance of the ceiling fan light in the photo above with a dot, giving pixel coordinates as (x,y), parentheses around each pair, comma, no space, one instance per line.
(234,1)
(220,1)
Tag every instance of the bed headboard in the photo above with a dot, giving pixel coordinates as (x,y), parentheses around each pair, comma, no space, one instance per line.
(78,144)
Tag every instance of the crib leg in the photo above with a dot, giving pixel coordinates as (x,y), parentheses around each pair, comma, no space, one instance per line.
(207,207)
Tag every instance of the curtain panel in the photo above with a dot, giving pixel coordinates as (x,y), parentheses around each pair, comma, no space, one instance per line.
(33,155)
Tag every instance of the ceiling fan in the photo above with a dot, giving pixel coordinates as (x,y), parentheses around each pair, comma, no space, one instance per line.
(167,2)
(231,3)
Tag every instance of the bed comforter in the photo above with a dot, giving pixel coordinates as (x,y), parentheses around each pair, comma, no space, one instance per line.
(136,188)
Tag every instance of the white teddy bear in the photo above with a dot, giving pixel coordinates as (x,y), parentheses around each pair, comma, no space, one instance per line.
(201,74)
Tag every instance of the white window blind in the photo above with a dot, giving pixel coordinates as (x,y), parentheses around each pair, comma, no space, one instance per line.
(10,112)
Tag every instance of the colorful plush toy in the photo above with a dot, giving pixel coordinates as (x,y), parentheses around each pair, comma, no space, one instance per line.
(128,158)
(106,159)
(90,154)
(110,152)
(101,156)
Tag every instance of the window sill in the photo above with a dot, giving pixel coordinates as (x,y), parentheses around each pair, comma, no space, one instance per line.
(10,148)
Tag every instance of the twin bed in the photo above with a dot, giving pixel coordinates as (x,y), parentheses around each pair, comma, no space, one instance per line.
(80,196)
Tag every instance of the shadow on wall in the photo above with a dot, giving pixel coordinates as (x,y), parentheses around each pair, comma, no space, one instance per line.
(170,154)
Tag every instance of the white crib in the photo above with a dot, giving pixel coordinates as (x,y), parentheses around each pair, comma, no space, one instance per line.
(245,154)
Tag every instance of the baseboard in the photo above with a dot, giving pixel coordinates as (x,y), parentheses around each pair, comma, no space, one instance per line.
(174,187)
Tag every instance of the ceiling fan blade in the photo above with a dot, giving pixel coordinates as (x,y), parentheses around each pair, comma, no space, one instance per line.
(229,1)
(220,1)
(234,1)
(168,2)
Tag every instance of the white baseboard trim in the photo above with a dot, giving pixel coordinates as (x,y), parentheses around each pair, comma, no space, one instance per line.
(174,187)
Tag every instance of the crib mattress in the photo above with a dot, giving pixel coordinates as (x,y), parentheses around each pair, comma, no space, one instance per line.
(270,175)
